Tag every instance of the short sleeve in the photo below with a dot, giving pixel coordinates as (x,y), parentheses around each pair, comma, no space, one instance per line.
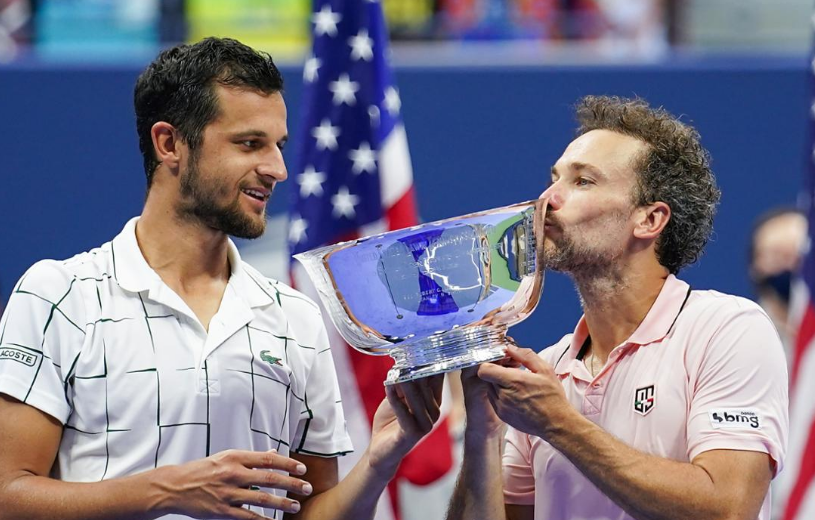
(739,386)
(519,480)
(41,333)
(322,430)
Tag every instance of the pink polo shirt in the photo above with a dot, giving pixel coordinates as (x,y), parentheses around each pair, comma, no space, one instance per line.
(703,371)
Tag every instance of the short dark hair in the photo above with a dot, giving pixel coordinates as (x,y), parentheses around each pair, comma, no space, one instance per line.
(675,169)
(179,88)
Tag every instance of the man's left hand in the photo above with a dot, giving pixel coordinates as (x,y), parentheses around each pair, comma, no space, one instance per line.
(408,414)
(530,400)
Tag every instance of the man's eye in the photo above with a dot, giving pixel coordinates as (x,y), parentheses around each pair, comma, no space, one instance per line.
(249,143)
(583,181)
(281,145)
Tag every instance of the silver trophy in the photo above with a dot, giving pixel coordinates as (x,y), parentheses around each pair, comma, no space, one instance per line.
(435,297)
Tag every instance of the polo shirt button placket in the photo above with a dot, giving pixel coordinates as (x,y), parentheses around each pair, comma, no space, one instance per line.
(593,398)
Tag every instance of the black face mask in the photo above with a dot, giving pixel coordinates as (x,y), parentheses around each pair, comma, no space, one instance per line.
(778,283)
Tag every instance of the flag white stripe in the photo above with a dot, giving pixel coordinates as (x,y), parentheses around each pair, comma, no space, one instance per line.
(395,168)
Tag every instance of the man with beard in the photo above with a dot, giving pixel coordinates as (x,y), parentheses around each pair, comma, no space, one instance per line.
(665,402)
(160,376)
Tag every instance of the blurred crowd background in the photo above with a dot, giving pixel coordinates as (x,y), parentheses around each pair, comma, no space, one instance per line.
(113,29)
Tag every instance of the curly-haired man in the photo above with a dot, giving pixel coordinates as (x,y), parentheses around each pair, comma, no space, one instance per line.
(665,402)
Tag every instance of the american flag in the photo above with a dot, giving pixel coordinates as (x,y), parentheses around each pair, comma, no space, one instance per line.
(798,485)
(354,178)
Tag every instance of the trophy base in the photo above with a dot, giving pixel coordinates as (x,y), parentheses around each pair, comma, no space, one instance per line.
(447,351)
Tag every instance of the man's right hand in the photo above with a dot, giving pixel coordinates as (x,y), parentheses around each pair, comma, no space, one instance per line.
(482,421)
(216,487)
(221,485)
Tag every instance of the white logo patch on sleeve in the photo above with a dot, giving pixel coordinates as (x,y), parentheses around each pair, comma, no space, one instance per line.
(736,418)
(21,356)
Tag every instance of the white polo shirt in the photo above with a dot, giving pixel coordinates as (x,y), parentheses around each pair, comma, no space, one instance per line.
(103,345)
(703,371)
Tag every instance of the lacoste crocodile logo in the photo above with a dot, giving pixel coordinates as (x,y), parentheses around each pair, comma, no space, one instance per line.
(264,355)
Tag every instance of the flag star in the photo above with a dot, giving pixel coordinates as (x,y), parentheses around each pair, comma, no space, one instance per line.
(344,90)
(344,203)
(311,182)
(361,46)
(310,69)
(297,229)
(364,159)
(326,135)
(325,22)
(392,102)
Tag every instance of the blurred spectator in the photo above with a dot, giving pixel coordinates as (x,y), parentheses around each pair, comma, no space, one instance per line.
(776,247)
(96,27)
(172,21)
(638,26)
(278,26)
(115,28)
(617,26)
(14,27)
(643,28)
(410,19)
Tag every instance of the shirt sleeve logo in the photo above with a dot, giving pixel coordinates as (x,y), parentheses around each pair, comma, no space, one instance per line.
(735,418)
(21,356)
(644,399)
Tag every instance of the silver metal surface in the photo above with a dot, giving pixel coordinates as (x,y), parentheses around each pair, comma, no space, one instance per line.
(435,297)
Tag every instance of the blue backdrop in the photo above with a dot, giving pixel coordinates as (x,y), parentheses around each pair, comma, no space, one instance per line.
(71,173)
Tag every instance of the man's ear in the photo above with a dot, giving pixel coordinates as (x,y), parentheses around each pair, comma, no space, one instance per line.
(652,219)
(167,144)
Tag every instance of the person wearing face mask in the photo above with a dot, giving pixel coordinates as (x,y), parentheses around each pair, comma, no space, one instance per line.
(776,247)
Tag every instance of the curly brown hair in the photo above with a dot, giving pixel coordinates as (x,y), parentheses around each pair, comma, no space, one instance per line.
(675,170)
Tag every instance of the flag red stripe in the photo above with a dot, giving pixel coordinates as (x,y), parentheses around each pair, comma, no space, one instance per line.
(806,477)
(403,212)
(803,341)
(431,459)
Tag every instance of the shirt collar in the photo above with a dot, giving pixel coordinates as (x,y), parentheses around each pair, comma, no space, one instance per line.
(130,269)
(134,274)
(655,326)
(663,312)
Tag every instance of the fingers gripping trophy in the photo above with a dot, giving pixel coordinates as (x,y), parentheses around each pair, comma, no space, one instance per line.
(439,296)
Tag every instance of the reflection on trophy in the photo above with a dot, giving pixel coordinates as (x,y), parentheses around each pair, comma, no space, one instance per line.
(435,297)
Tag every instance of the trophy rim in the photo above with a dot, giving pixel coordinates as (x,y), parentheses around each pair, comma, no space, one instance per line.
(371,341)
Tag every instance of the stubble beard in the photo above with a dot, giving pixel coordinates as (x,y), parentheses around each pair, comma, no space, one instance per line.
(586,261)
(200,203)
(596,275)
(565,255)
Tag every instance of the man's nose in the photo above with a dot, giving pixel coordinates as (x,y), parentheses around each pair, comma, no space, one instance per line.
(554,195)
(273,166)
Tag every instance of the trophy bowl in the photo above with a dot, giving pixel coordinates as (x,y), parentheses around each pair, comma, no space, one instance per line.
(438,296)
